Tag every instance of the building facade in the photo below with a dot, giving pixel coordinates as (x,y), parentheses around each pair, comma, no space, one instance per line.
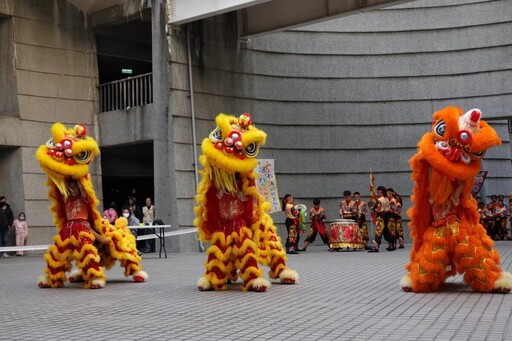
(336,98)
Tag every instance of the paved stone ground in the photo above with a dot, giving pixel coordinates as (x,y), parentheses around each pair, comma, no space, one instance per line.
(341,296)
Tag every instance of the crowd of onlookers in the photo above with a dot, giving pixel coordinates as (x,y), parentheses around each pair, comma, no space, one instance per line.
(130,210)
(135,216)
(494,217)
(7,221)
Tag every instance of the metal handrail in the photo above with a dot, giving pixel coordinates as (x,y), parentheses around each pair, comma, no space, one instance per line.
(126,93)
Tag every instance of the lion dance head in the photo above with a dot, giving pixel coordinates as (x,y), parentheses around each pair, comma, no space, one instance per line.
(458,142)
(231,149)
(67,154)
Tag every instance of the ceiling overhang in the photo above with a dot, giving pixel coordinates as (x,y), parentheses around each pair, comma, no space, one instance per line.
(91,6)
(279,15)
(184,11)
(266,16)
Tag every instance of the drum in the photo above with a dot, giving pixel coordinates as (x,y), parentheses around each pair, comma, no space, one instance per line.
(345,234)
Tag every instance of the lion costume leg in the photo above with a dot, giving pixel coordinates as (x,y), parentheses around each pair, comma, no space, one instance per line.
(244,248)
(277,263)
(88,259)
(58,260)
(427,270)
(475,257)
(219,266)
(123,247)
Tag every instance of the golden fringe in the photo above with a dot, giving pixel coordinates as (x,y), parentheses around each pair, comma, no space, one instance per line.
(60,183)
(224,181)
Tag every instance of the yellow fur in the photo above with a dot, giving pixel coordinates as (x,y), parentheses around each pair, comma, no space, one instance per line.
(59,168)
(233,172)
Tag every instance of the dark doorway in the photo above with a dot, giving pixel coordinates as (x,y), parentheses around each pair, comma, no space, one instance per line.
(124,50)
(127,170)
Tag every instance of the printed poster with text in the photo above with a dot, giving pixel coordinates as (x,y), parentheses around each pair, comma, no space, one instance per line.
(266,183)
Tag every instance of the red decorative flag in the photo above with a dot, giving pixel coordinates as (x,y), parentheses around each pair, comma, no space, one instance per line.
(373,198)
(478,183)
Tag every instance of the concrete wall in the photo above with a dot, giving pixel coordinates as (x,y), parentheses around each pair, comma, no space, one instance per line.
(339,97)
(55,73)
(9,102)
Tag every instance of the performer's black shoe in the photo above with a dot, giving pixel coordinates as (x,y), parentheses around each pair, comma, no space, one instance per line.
(373,250)
(292,252)
(390,249)
(401,247)
(301,250)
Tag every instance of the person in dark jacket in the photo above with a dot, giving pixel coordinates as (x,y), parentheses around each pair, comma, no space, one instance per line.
(6,220)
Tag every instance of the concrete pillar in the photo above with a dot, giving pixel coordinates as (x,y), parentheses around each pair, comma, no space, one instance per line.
(163,146)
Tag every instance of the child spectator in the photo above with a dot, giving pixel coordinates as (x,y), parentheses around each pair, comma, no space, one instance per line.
(21,229)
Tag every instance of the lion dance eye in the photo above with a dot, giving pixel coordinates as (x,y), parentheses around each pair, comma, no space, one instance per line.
(216,135)
(251,150)
(478,155)
(50,143)
(440,128)
(83,157)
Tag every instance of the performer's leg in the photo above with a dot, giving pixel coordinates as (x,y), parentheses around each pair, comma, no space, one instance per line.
(244,248)
(88,259)
(503,229)
(297,239)
(58,260)
(364,230)
(400,233)
(291,240)
(310,238)
(427,269)
(379,227)
(390,233)
(218,264)
(475,258)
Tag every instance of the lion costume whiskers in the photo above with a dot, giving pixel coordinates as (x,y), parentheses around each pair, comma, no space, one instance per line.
(447,235)
(65,158)
(231,214)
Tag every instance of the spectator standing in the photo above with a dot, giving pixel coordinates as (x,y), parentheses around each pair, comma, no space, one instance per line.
(21,229)
(148,217)
(132,205)
(132,219)
(111,213)
(6,220)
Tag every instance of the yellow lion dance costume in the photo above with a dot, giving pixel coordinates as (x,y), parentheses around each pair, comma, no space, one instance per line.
(447,235)
(64,157)
(231,214)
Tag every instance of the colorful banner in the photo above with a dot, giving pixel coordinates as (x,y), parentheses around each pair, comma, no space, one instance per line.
(479,182)
(266,183)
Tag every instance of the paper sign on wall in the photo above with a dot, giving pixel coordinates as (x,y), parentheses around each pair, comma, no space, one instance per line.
(266,183)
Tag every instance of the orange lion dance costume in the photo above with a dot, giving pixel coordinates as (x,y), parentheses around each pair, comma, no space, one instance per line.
(65,159)
(231,214)
(447,235)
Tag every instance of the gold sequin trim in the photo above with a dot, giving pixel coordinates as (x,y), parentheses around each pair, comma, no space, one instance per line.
(439,232)
(454,228)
